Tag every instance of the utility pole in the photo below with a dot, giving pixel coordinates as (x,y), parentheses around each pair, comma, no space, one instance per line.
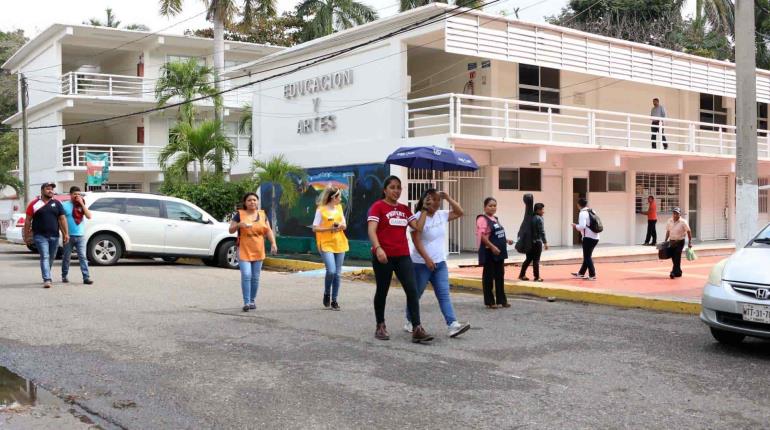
(25,141)
(746,190)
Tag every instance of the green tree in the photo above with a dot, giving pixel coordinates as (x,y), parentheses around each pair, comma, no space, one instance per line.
(112,22)
(324,17)
(186,80)
(199,144)
(279,30)
(8,179)
(412,4)
(10,42)
(245,124)
(279,173)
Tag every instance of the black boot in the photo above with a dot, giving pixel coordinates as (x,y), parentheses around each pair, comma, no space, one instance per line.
(326,300)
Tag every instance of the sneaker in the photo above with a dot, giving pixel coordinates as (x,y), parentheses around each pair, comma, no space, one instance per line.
(578,275)
(538,280)
(87,281)
(47,284)
(408,327)
(64,280)
(326,300)
(252,306)
(419,335)
(245,308)
(458,328)
(590,278)
(523,278)
(381,333)
(335,306)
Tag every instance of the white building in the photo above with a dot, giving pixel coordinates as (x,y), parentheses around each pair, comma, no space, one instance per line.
(79,73)
(543,109)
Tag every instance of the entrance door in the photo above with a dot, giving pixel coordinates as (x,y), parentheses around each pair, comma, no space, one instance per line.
(692,210)
(721,207)
(579,191)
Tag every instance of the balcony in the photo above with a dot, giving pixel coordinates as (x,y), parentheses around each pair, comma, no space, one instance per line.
(100,84)
(459,115)
(122,157)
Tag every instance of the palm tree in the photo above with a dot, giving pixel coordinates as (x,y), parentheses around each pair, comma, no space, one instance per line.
(412,4)
(244,126)
(279,172)
(324,17)
(112,22)
(186,80)
(199,144)
(719,14)
(137,27)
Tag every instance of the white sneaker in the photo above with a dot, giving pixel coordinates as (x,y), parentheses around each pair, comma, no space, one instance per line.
(408,327)
(457,328)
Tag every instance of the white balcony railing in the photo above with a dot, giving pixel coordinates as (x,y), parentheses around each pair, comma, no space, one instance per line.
(99,84)
(123,156)
(477,116)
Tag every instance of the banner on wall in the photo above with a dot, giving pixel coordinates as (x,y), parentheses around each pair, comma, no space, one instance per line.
(97,168)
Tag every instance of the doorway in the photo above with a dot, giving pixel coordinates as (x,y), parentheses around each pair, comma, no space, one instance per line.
(692,206)
(579,191)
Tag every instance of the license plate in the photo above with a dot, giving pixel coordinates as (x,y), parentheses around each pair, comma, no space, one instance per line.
(756,313)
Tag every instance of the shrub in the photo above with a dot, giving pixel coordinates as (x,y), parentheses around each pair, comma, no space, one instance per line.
(216,196)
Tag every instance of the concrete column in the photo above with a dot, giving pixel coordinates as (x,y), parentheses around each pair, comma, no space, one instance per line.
(631,238)
(567,207)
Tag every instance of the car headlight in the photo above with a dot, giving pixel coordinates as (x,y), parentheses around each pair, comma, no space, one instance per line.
(715,278)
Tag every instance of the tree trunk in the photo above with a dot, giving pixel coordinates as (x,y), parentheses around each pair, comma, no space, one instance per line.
(219,67)
(274,209)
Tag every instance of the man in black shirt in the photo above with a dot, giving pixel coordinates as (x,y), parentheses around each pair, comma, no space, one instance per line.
(45,217)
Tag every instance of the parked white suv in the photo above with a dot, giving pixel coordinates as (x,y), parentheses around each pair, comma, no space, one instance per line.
(155,226)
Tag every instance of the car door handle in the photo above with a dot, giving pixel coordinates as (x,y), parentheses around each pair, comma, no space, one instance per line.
(172,225)
(125,220)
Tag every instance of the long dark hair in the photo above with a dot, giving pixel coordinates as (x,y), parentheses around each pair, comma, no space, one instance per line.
(429,192)
(387,182)
(246,196)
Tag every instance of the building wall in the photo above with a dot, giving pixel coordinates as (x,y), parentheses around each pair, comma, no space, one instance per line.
(44,70)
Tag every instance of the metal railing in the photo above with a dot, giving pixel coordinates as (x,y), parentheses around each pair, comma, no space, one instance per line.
(128,156)
(100,84)
(477,116)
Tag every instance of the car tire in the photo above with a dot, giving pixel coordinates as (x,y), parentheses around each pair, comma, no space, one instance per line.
(227,255)
(104,250)
(211,262)
(170,259)
(727,337)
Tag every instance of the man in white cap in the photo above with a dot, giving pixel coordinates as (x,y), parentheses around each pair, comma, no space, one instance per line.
(676,230)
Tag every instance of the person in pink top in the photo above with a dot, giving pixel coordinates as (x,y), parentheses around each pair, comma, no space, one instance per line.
(492,254)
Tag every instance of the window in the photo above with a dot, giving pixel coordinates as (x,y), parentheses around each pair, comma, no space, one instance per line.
(763,195)
(600,181)
(523,179)
(181,212)
(143,207)
(183,58)
(539,85)
(665,188)
(712,111)
(762,119)
(117,186)
(109,204)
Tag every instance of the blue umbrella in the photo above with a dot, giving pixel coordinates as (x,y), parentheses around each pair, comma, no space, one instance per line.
(433,158)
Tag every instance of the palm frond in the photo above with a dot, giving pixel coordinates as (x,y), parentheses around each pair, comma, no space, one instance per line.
(170,7)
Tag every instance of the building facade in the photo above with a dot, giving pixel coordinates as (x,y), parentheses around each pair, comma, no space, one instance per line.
(79,74)
(543,109)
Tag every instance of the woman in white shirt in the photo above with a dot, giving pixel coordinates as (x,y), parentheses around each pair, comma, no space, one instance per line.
(428,253)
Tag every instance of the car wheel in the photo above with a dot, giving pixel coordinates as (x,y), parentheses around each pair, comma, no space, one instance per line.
(104,250)
(170,259)
(211,262)
(727,337)
(228,255)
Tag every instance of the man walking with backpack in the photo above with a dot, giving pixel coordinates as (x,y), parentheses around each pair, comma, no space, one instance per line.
(589,225)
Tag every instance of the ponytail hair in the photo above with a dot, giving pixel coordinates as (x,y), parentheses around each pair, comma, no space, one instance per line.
(327,195)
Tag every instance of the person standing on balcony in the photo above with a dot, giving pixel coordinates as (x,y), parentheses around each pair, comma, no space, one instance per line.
(676,230)
(658,111)
(252,226)
(589,241)
(652,220)
(75,210)
(45,218)
(493,250)
(329,227)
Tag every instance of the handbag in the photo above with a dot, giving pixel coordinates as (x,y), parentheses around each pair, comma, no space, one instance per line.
(690,254)
(664,250)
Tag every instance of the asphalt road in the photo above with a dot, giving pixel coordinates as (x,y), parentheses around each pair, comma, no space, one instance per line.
(172,339)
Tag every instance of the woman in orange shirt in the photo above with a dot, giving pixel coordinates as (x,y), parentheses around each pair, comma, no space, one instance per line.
(329,227)
(252,226)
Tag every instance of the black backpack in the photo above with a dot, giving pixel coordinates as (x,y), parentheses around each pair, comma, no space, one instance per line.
(594,222)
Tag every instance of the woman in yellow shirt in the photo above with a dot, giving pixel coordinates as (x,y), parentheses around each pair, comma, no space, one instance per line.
(252,226)
(329,227)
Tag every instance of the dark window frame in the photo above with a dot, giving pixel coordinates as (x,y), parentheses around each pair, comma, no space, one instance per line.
(127,204)
(120,200)
(540,89)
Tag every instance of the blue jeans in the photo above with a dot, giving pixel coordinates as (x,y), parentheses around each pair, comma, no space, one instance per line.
(439,279)
(46,248)
(333,262)
(79,243)
(250,271)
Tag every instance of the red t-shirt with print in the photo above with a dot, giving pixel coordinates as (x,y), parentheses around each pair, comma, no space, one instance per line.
(392,221)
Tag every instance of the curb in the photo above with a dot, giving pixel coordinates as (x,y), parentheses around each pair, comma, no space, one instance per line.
(291,265)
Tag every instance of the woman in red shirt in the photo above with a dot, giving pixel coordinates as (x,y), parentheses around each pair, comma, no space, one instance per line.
(387,222)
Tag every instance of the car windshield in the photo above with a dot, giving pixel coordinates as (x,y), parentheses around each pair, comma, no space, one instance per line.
(763,238)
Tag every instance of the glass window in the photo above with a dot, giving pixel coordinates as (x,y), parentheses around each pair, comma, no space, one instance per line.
(540,85)
(143,207)
(665,189)
(110,204)
(529,179)
(712,111)
(763,195)
(549,78)
(706,102)
(508,179)
(616,181)
(597,181)
(529,75)
(182,212)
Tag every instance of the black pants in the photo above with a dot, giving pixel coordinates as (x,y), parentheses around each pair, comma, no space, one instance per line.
(494,273)
(383,273)
(675,248)
(651,232)
(655,126)
(588,262)
(533,257)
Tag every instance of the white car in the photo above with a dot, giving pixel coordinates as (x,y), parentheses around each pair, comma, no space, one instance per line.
(736,299)
(155,226)
(15,233)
